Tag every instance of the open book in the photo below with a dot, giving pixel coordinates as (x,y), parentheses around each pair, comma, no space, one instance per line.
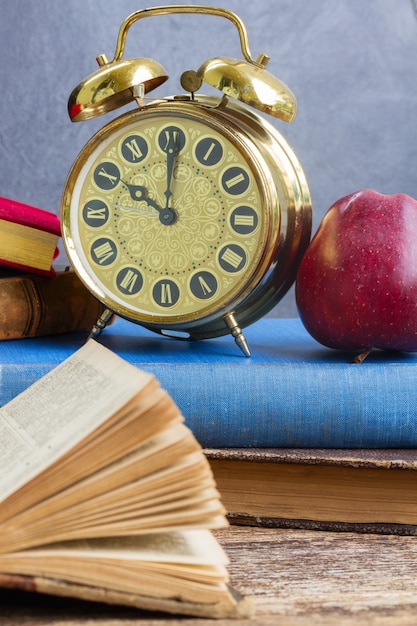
(106,495)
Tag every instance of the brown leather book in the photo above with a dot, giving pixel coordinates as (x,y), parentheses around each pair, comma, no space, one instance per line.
(361,490)
(33,305)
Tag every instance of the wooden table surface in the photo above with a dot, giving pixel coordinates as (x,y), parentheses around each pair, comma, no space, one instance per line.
(295,577)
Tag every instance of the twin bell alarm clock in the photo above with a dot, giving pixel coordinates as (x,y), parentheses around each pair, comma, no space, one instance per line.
(189,214)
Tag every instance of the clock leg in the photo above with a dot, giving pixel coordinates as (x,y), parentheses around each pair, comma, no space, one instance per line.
(237,333)
(101,323)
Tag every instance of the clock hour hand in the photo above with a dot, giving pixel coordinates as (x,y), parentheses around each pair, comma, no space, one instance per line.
(140,193)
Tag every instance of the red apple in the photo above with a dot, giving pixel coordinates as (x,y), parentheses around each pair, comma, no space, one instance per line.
(356,288)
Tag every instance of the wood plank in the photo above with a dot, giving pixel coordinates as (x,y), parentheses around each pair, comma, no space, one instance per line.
(307,577)
(296,578)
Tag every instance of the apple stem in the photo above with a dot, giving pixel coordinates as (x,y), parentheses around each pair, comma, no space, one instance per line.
(362,356)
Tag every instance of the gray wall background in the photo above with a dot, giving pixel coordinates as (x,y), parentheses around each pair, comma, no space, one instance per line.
(352,65)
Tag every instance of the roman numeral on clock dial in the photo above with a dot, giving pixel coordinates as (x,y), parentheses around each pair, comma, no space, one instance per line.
(166,293)
(129,280)
(104,251)
(232,258)
(203,285)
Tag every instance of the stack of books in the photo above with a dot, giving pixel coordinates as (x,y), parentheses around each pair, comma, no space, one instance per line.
(38,296)
(297,435)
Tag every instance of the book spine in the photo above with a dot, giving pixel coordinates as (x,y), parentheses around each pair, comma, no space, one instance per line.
(35,306)
(243,519)
(275,409)
(28,215)
(295,406)
(269,401)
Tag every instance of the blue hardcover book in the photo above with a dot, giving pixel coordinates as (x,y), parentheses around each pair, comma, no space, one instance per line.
(292,392)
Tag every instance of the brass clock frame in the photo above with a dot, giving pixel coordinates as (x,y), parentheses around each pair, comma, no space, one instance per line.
(287,202)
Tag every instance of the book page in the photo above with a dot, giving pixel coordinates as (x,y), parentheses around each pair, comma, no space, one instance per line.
(197,546)
(190,566)
(26,245)
(60,409)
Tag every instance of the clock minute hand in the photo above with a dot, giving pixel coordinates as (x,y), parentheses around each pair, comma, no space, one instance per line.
(172,149)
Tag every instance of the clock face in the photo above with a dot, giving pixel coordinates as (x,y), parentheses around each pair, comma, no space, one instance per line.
(167,216)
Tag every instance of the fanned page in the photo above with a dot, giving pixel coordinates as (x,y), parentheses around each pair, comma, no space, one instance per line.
(108,455)
(56,413)
(186,564)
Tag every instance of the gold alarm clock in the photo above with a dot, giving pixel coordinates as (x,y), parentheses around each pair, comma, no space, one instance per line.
(189,214)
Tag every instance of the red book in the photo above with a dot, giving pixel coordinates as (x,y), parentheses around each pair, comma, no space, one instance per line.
(28,236)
